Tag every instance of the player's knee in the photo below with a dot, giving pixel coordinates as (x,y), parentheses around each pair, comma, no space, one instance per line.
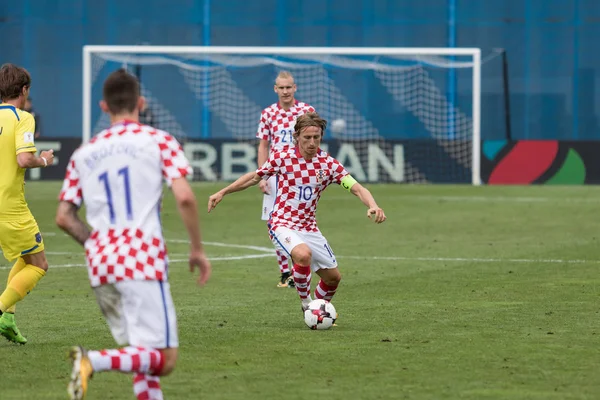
(333,279)
(303,256)
(167,368)
(39,260)
(336,279)
(43,264)
(169,361)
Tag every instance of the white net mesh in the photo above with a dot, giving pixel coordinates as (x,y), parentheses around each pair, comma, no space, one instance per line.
(406,118)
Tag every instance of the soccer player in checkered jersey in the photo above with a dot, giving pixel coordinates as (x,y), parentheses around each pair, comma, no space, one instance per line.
(119,176)
(304,171)
(275,131)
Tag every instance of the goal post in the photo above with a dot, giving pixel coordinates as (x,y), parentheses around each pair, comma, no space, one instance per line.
(399,105)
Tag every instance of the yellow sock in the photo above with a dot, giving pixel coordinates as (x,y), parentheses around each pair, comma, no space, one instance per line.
(19,265)
(22,283)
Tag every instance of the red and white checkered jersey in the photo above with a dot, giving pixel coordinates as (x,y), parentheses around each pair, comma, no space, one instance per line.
(277,125)
(119,176)
(300,183)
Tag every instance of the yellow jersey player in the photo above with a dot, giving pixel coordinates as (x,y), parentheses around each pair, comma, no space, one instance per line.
(20,237)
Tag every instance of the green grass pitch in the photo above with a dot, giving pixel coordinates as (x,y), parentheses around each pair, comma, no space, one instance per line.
(464,293)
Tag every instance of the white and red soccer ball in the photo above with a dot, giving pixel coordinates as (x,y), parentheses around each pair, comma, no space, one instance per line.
(320,315)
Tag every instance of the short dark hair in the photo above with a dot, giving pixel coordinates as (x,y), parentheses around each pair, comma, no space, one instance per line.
(12,81)
(306,120)
(121,91)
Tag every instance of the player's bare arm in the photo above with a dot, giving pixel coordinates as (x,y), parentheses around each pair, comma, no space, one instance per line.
(263,155)
(30,160)
(263,152)
(188,210)
(243,182)
(68,220)
(374,212)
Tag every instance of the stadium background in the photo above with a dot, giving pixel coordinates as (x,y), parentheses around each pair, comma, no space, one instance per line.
(551,47)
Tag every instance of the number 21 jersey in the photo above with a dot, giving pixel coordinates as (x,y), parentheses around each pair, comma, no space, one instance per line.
(277,125)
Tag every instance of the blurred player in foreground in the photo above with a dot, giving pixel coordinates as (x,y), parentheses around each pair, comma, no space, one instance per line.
(303,172)
(275,131)
(119,176)
(20,237)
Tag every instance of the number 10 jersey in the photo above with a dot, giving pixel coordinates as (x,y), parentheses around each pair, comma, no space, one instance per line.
(300,183)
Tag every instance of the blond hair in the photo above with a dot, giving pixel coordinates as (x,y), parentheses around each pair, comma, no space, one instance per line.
(284,75)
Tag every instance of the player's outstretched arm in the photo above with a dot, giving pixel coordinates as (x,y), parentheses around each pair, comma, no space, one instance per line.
(374,212)
(68,220)
(243,182)
(30,160)
(188,210)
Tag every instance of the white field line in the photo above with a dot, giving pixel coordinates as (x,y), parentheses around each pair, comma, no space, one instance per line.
(481,260)
(216,244)
(171,261)
(229,257)
(268,252)
(233,246)
(479,199)
(508,199)
(428,259)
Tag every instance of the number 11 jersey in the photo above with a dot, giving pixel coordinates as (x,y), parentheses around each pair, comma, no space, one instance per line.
(119,177)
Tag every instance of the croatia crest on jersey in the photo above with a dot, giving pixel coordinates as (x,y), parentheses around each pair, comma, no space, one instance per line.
(320,175)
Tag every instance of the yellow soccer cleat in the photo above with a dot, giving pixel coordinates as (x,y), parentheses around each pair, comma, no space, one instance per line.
(81,374)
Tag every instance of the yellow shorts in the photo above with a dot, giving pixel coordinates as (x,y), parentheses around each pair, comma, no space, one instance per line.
(19,238)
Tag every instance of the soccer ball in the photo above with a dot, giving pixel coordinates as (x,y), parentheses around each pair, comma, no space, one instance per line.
(320,315)
(338,126)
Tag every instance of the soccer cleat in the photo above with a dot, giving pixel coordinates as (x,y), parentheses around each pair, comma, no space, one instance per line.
(8,329)
(337,315)
(286,280)
(81,373)
(290,281)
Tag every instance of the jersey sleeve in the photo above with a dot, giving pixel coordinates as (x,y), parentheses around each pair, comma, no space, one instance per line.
(71,188)
(271,166)
(264,127)
(338,171)
(174,163)
(24,133)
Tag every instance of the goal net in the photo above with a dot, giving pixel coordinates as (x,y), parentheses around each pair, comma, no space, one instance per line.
(396,114)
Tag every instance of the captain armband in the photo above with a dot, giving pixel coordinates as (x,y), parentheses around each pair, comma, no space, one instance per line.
(347,182)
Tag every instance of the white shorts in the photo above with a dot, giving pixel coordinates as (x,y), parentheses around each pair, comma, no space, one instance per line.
(269,199)
(322,255)
(139,313)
